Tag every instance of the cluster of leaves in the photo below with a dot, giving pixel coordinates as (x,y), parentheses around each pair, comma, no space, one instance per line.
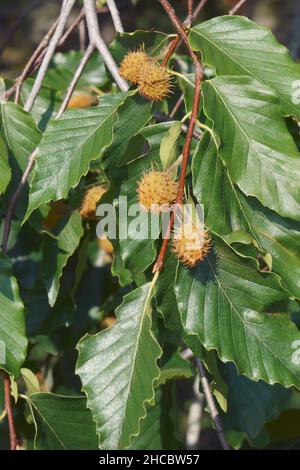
(237,310)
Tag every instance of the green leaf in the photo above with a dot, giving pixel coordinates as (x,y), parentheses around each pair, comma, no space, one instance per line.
(69,146)
(228,211)
(5,171)
(46,104)
(20,132)
(261,155)
(57,251)
(128,178)
(134,114)
(151,41)
(227,303)
(235,45)
(169,146)
(159,428)
(13,341)
(252,404)
(173,366)
(118,369)
(62,423)
(31,381)
(64,65)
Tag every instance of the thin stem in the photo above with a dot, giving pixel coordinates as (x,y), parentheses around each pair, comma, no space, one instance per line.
(82,35)
(9,411)
(190,4)
(38,55)
(115,14)
(187,23)
(158,266)
(75,79)
(211,404)
(72,27)
(235,9)
(64,15)
(198,9)
(96,38)
(26,71)
(172,48)
(177,106)
(14,199)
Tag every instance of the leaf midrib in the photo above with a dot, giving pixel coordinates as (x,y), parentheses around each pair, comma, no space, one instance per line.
(241,65)
(247,325)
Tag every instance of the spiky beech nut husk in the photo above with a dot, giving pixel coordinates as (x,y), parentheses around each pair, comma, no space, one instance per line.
(191,243)
(132,65)
(157,191)
(59,209)
(154,82)
(90,200)
(82,100)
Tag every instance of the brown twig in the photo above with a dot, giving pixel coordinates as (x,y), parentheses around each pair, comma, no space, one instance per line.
(172,48)
(190,4)
(14,199)
(82,35)
(35,60)
(198,9)
(28,67)
(97,39)
(9,411)
(175,43)
(187,23)
(235,9)
(177,106)
(66,8)
(75,79)
(72,27)
(158,266)
(211,404)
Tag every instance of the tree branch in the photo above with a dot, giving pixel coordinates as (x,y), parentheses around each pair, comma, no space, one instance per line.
(75,79)
(14,199)
(115,14)
(158,266)
(211,404)
(31,160)
(64,15)
(38,55)
(235,9)
(9,411)
(187,23)
(96,39)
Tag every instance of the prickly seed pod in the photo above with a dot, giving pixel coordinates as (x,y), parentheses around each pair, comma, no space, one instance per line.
(132,65)
(82,100)
(157,191)
(154,82)
(90,200)
(191,243)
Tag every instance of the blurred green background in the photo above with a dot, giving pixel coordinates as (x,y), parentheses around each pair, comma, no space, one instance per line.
(24,22)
